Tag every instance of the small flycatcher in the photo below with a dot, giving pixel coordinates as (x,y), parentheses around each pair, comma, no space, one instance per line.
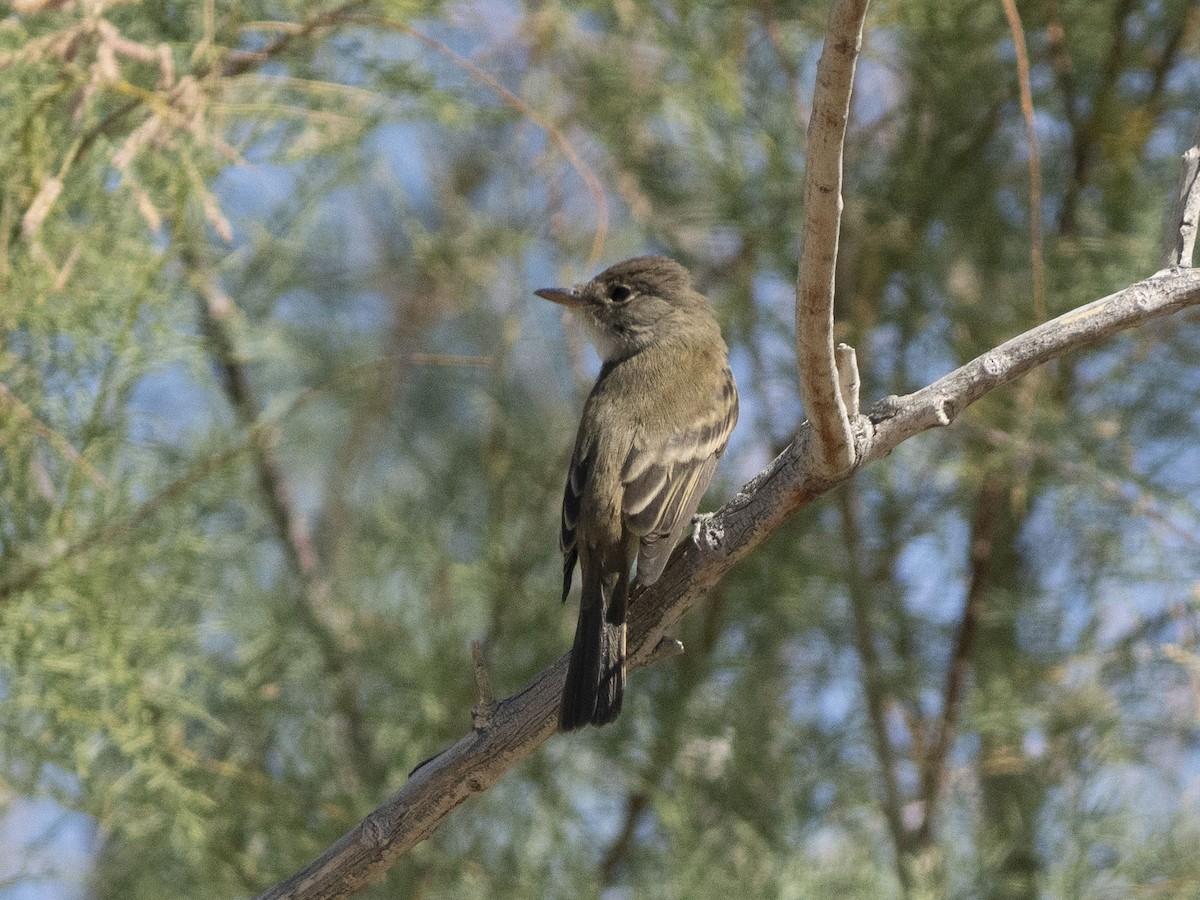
(652,430)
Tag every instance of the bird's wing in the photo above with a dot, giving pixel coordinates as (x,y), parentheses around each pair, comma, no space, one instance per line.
(577,475)
(666,475)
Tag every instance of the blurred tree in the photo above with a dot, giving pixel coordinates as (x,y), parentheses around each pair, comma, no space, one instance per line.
(280,435)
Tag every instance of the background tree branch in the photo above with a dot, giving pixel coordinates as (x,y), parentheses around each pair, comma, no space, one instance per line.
(315,605)
(874,677)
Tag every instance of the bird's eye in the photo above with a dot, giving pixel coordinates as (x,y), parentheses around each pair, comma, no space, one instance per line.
(619,293)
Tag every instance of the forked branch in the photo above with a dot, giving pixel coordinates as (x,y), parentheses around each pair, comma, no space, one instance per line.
(522,722)
(833,446)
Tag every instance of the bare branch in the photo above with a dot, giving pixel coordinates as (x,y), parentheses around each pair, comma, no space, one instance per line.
(833,443)
(527,719)
(1161,294)
(1185,218)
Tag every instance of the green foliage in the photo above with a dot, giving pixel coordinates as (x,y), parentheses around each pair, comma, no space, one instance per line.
(375,211)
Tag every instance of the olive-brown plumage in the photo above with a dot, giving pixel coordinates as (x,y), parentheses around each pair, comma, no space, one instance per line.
(652,429)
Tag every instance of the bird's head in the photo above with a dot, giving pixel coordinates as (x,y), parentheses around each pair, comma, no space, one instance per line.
(636,303)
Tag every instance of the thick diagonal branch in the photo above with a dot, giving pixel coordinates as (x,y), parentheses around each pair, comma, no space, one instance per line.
(523,722)
(833,447)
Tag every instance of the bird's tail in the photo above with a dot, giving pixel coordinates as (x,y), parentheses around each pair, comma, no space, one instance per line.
(596,675)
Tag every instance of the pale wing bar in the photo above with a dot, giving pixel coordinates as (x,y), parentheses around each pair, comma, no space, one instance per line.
(665,481)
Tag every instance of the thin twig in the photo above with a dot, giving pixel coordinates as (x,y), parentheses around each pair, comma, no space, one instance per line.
(1027,394)
(833,444)
(668,648)
(849,382)
(54,438)
(589,177)
(790,69)
(1036,262)
(636,806)
(241,61)
(1060,60)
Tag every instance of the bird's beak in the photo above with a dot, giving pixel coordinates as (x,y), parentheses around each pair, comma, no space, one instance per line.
(568,297)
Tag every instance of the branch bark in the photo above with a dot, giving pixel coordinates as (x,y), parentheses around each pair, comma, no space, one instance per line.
(523,722)
(1185,217)
(833,445)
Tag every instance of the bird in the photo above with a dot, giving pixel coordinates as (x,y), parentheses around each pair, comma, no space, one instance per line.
(652,429)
